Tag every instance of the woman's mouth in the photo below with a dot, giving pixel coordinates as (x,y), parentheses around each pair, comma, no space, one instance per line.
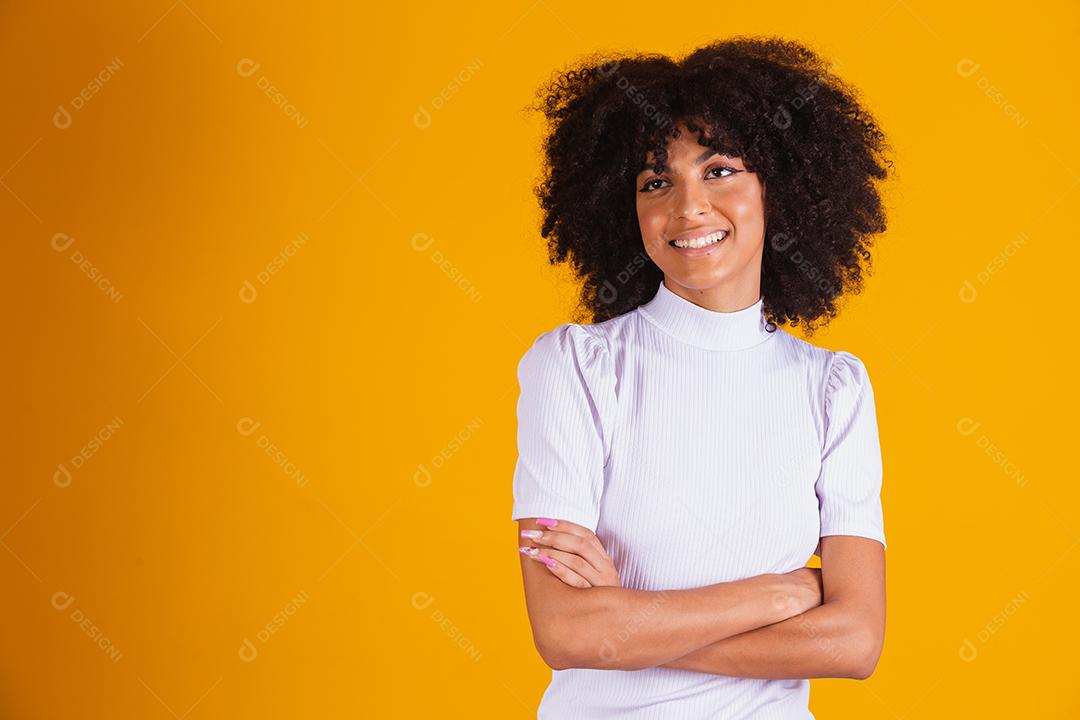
(699,245)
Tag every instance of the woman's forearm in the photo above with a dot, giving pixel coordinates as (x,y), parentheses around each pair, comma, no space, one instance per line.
(616,628)
(826,641)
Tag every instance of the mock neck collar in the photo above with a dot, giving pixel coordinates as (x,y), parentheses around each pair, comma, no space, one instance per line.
(706,328)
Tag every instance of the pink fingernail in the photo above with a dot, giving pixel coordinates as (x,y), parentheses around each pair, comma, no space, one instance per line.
(547,522)
(547,561)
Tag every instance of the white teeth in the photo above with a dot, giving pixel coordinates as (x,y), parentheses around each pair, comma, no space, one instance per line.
(702,241)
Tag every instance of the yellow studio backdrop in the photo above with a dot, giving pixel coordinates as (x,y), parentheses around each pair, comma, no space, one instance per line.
(269,272)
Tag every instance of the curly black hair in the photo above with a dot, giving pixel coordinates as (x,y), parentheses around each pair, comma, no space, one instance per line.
(772,102)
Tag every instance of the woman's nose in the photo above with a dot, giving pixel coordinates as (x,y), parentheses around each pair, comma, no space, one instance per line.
(692,200)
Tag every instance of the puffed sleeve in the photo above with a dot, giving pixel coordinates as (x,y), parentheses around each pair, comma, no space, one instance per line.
(849,486)
(567,395)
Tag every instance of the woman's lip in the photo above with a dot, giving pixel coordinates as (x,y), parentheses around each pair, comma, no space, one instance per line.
(692,252)
(700,232)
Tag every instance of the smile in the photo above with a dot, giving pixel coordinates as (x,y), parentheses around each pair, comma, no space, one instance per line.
(703,241)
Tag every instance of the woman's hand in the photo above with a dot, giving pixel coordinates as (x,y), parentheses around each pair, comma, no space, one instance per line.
(805,589)
(572,553)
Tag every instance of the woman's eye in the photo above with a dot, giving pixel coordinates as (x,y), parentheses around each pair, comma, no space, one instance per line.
(647,187)
(723,167)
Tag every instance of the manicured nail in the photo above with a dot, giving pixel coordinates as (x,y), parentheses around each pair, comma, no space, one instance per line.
(547,561)
(528,550)
(547,522)
(531,534)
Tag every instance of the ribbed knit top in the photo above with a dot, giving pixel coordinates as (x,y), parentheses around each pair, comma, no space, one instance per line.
(700,447)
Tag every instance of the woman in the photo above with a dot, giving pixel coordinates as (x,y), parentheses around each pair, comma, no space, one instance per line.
(682,457)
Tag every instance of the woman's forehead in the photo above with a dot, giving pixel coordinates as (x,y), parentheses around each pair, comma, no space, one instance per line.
(690,154)
(695,142)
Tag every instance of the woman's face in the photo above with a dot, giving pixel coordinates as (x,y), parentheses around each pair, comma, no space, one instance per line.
(696,195)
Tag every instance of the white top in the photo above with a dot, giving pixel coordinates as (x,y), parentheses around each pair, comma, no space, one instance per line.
(700,447)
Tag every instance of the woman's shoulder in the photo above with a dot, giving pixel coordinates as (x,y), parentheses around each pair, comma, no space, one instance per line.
(836,369)
(592,342)
(847,374)
(568,339)
(567,365)
(575,347)
(574,355)
(803,351)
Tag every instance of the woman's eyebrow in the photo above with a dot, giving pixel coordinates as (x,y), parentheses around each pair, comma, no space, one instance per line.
(701,158)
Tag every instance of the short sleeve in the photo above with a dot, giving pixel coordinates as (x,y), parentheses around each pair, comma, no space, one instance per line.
(567,395)
(849,486)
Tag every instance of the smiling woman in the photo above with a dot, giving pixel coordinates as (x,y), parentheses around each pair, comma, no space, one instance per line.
(682,456)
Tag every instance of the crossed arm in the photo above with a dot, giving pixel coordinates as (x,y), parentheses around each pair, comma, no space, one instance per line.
(786,626)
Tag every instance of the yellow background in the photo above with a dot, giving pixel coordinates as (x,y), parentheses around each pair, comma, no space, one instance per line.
(302,507)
